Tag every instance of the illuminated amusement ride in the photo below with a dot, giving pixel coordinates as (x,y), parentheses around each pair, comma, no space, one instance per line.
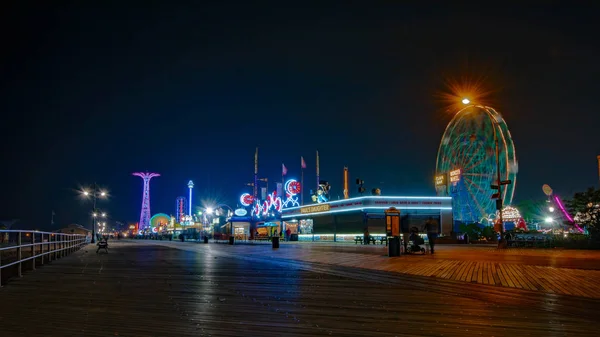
(145,213)
(476,149)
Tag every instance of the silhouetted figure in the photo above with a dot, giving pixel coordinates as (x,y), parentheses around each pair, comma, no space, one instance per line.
(431,227)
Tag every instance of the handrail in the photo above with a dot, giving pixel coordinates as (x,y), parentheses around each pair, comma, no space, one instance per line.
(51,245)
(36,232)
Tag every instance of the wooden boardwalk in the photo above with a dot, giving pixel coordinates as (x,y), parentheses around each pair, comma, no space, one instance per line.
(145,289)
(525,272)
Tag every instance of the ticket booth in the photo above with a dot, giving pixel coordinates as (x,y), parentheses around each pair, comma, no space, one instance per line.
(392,228)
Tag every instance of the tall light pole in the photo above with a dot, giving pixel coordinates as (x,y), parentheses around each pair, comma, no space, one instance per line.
(95,193)
(499,182)
(191,187)
(598,157)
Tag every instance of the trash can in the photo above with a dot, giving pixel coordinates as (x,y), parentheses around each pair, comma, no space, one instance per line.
(206,239)
(231,240)
(275,241)
(394,246)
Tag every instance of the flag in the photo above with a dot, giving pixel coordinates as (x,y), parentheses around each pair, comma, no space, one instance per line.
(283,169)
(302,162)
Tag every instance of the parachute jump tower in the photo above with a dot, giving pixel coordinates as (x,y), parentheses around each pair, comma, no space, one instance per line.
(145,214)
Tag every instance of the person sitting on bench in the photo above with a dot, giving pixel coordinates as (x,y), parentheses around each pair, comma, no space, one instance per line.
(102,245)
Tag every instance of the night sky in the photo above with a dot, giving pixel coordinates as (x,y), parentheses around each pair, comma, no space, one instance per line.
(95,92)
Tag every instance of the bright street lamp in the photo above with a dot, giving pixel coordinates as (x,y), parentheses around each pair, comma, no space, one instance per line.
(95,193)
(209,210)
(548,220)
(551,209)
(466,101)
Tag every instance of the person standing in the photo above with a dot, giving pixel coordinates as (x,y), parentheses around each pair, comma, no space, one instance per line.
(431,227)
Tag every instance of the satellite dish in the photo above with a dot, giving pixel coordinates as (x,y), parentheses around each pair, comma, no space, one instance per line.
(547,189)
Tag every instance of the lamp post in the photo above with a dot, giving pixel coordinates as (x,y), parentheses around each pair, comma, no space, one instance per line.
(95,193)
(499,182)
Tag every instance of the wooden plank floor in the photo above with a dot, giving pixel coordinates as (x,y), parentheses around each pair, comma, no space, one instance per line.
(144,289)
(491,268)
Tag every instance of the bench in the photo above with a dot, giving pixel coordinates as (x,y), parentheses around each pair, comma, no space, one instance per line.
(102,245)
(372,240)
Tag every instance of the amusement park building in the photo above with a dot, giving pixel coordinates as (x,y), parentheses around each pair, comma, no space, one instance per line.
(342,220)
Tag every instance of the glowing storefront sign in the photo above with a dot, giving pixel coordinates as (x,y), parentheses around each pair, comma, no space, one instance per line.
(315,209)
(241,212)
(440,180)
(455,175)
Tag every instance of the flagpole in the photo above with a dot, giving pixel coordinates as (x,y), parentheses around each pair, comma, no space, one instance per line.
(318,181)
(598,157)
(255,175)
(301,186)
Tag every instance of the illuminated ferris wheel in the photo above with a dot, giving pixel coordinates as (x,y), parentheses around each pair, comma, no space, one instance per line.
(466,164)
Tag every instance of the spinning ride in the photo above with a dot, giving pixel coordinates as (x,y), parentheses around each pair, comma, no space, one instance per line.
(466,162)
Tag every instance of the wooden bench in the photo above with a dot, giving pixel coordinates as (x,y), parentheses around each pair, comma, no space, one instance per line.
(360,239)
(102,245)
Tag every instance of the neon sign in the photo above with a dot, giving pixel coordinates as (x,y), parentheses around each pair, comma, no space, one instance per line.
(455,176)
(246,199)
(273,202)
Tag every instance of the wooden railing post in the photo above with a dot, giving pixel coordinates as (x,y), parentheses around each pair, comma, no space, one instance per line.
(19,257)
(42,249)
(32,250)
(50,249)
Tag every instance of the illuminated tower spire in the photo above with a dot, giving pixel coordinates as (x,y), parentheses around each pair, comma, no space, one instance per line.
(145,213)
(190,186)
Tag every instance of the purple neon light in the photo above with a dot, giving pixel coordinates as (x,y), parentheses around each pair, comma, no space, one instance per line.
(562,208)
(145,213)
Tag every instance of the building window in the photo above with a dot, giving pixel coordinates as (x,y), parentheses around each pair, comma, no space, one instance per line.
(306,226)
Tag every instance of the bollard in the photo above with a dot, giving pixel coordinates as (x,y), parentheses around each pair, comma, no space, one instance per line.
(394,246)
(206,239)
(231,240)
(275,242)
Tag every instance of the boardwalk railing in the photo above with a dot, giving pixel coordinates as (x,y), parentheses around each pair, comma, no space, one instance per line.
(18,247)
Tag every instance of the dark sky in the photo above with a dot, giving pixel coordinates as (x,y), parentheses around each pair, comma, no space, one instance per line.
(95,92)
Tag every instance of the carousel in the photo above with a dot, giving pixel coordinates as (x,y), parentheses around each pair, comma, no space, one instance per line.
(510,215)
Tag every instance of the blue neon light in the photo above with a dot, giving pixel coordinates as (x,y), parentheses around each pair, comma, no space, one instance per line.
(375,197)
(362,209)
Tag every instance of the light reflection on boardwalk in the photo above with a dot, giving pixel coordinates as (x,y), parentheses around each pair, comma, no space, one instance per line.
(527,269)
(145,289)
